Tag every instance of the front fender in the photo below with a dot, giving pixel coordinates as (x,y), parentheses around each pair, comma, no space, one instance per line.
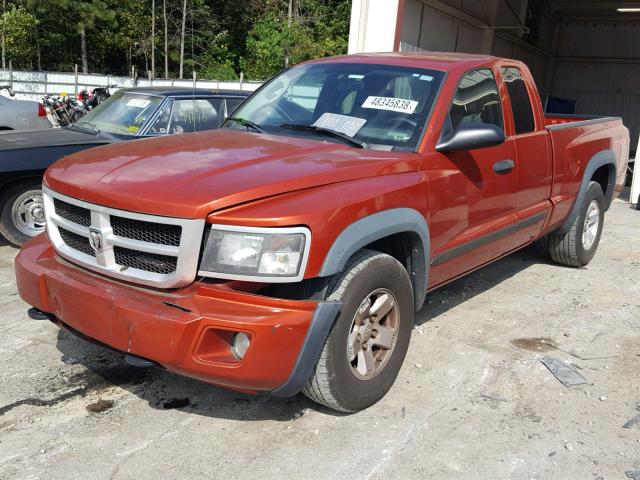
(375,227)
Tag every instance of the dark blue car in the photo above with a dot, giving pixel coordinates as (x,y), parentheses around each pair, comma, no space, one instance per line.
(129,114)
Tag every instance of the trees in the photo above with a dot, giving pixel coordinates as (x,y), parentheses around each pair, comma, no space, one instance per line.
(315,29)
(217,38)
(17,26)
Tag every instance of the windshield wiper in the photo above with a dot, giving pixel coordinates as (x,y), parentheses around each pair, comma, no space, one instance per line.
(247,123)
(324,131)
(90,128)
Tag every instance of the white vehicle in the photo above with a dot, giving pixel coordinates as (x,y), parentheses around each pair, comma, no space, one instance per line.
(21,114)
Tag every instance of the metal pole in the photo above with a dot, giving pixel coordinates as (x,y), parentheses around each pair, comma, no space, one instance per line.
(153,39)
(634,195)
(194,79)
(241,79)
(75,74)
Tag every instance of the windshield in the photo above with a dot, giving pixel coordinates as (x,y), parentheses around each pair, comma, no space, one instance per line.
(123,113)
(379,106)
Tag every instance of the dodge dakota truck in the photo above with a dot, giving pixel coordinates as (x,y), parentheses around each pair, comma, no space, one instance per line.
(288,251)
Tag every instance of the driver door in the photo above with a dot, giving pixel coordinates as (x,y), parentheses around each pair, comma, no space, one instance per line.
(472,192)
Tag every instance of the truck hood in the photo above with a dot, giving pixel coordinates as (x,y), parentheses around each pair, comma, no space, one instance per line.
(47,137)
(192,175)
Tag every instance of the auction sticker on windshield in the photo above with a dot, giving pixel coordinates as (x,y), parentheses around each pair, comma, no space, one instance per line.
(138,103)
(392,104)
(340,123)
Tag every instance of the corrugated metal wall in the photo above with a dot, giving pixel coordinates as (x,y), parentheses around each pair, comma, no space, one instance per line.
(596,63)
(625,105)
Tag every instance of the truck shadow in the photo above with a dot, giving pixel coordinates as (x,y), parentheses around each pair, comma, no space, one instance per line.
(162,390)
(461,290)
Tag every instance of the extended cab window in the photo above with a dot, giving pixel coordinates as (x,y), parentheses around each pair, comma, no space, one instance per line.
(476,100)
(384,107)
(520,101)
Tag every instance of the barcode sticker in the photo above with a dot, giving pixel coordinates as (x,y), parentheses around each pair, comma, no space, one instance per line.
(392,104)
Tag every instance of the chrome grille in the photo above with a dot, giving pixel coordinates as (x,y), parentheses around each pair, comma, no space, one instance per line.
(73,213)
(77,242)
(157,251)
(146,231)
(149,262)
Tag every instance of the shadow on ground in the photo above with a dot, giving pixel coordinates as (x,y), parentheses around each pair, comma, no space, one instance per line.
(461,290)
(163,390)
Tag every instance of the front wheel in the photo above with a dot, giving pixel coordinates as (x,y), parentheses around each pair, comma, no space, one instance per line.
(365,350)
(22,212)
(577,247)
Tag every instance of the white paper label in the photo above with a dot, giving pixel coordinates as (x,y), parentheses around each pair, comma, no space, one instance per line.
(137,103)
(392,104)
(340,123)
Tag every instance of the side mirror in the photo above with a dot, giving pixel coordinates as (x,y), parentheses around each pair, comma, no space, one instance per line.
(469,136)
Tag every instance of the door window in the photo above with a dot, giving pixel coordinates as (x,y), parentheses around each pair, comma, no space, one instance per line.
(520,100)
(476,100)
(195,115)
(160,125)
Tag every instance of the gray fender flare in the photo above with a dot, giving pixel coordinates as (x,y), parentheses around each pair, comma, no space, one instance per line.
(605,157)
(375,227)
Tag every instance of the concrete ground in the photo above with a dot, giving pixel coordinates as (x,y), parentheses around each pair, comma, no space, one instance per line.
(472,401)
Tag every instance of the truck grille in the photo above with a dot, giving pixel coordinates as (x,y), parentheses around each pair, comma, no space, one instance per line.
(147,249)
(73,213)
(146,231)
(77,242)
(148,262)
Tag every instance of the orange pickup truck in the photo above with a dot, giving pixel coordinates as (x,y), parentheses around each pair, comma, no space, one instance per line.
(289,250)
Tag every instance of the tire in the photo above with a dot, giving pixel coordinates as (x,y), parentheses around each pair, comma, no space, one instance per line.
(22,211)
(346,384)
(572,248)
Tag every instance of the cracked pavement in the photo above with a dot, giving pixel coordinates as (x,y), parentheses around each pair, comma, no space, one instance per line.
(472,400)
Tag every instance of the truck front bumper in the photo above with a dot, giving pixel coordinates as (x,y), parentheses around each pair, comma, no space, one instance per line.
(187,331)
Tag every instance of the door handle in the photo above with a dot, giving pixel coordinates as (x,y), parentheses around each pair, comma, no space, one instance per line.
(504,166)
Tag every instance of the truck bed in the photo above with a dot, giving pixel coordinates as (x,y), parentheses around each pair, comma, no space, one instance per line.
(552,119)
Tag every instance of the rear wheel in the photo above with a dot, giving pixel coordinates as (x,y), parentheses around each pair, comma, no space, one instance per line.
(365,350)
(577,247)
(22,211)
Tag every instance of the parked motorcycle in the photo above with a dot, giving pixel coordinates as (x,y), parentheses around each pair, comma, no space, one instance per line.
(62,109)
(92,98)
(57,111)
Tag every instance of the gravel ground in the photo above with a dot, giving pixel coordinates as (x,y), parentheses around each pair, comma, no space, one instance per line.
(472,400)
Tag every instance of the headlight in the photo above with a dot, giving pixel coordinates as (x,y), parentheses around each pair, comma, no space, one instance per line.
(262,254)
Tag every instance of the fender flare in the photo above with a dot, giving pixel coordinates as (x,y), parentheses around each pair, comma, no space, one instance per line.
(375,227)
(602,158)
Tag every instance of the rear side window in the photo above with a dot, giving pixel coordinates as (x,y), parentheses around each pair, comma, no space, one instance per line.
(520,101)
(196,115)
(476,100)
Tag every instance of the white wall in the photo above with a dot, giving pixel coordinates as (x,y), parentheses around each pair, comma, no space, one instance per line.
(373,25)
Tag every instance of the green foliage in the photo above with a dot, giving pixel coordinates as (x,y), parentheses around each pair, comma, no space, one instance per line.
(222,37)
(17,25)
(318,29)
